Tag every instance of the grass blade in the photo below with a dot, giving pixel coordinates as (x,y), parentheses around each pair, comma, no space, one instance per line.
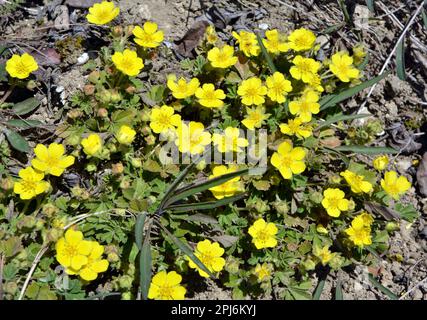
(332,99)
(177,181)
(266,55)
(341,117)
(383,289)
(400,60)
(23,124)
(319,289)
(139,229)
(145,265)
(344,158)
(187,250)
(424,15)
(338,291)
(366,150)
(204,205)
(196,188)
(345,12)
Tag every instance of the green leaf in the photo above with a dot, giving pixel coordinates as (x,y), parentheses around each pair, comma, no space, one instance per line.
(400,60)
(344,10)
(25,106)
(344,158)
(333,28)
(341,117)
(145,269)
(123,116)
(139,229)
(370,5)
(17,141)
(319,290)
(24,124)
(366,150)
(383,289)
(145,265)
(338,291)
(187,250)
(266,55)
(204,205)
(332,99)
(409,213)
(424,15)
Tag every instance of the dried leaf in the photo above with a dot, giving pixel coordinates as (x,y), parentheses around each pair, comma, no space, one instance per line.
(422,175)
(185,46)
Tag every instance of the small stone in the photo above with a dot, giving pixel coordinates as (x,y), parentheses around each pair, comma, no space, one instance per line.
(263,26)
(81,3)
(361,17)
(62,20)
(82,59)
(417,294)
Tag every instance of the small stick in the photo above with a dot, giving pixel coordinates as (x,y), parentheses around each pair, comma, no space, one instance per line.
(33,268)
(412,289)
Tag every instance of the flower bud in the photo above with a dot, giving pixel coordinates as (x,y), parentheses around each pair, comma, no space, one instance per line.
(89,89)
(130,89)
(392,226)
(150,140)
(117,31)
(49,210)
(94,76)
(102,113)
(136,162)
(31,85)
(74,113)
(309,264)
(6,183)
(117,168)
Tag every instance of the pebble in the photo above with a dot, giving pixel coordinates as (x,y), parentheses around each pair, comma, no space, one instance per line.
(417,294)
(263,26)
(82,59)
(62,20)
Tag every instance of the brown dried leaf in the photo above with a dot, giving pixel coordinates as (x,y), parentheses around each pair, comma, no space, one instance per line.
(191,39)
(422,175)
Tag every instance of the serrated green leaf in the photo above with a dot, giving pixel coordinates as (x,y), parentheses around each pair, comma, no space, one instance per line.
(17,141)
(366,150)
(25,106)
(332,99)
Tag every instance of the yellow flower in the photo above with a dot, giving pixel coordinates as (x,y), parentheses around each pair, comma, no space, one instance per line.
(263,234)
(304,68)
(395,186)
(252,91)
(305,106)
(263,271)
(247,42)
(148,36)
(289,160)
(128,62)
(162,119)
(222,57)
(95,264)
(334,202)
(210,35)
(92,144)
(21,66)
(380,163)
(182,89)
(278,87)
(102,13)
(51,160)
(356,182)
(275,42)
(324,254)
(315,83)
(229,141)
(342,67)
(72,251)
(210,255)
(255,117)
(126,135)
(166,286)
(366,218)
(359,233)
(296,127)
(31,184)
(209,97)
(301,39)
(192,138)
(228,188)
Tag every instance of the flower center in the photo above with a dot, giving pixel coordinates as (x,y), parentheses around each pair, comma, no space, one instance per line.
(28,186)
(165,292)
(21,68)
(262,235)
(71,250)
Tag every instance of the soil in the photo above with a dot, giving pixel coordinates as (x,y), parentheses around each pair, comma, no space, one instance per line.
(393,101)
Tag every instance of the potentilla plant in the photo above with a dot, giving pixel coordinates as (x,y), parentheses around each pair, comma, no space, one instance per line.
(259,228)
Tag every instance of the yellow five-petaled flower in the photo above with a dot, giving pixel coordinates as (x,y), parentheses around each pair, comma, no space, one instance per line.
(230,141)
(102,13)
(228,188)
(209,97)
(128,62)
(21,66)
(334,202)
(289,160)
(210,254)
(31,184)
(166,286)
(263,234)
(148,36)
(222,57)
(164,119)
(252,91)
(51,160)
